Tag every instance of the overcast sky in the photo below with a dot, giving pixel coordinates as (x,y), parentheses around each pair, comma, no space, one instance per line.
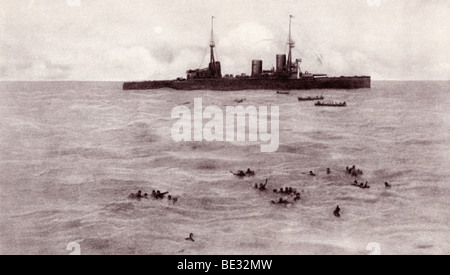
(153,39)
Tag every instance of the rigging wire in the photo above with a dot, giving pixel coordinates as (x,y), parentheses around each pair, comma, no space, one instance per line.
(203,59)
(217,55)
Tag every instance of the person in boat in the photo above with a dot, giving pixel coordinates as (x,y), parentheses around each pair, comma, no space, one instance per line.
(145,196)
(366,186)
(283,201)
(280,201)
(350,171)
(311,173)
(160,195)
(190,238)
(250,172)
(138,195)
(256,185)
(275,190)
(154,194)
(262,187)
(328,171)
(387,185)
(240,173)
(174,199)
(337,212)
(281,190)
(297,197)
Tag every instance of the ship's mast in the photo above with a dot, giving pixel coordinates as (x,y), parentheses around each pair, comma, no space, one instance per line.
(212,44)
(291,44)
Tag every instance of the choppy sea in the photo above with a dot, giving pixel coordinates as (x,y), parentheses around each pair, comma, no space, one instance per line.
(71,152)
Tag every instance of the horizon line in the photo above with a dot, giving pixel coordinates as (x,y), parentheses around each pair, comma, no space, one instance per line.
(71,80)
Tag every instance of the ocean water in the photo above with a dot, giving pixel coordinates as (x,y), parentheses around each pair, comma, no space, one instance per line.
(71,152)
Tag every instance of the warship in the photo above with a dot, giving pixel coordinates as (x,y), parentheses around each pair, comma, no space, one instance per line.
(286,76)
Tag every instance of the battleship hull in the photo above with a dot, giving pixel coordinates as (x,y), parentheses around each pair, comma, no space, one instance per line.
(235,84)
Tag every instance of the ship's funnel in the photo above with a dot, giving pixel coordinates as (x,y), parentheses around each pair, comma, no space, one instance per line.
(256,68)
(281,63)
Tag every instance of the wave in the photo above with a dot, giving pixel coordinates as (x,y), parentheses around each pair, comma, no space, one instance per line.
(120,207)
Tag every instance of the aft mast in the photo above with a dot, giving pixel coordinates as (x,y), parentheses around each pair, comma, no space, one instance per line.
(291,44)
(214,66)
(212,44)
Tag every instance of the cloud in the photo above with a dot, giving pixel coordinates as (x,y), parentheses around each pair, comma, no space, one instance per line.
(124,40)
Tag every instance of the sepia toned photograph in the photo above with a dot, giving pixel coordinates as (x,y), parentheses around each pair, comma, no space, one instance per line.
(231,127)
